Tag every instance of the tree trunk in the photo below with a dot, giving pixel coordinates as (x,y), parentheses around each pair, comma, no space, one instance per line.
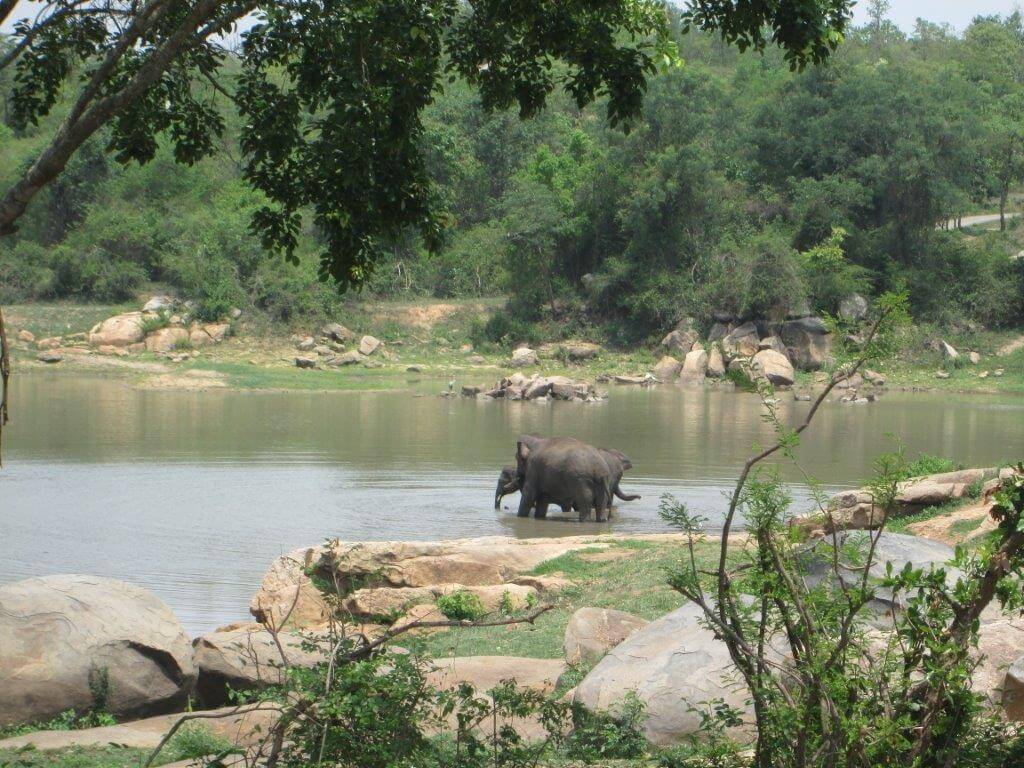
(1002,207)
(5,375)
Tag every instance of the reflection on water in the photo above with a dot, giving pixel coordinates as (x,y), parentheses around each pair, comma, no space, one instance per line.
(192,494)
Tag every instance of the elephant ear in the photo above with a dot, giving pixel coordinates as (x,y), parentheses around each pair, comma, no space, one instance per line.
(522,450)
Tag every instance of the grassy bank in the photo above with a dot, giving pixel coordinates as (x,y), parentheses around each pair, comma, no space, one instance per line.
(435,338)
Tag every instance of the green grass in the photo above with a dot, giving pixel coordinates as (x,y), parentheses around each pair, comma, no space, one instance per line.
(74,757)
(46,320)
(635,583)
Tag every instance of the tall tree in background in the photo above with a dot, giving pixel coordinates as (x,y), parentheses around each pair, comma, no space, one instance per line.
(332,91)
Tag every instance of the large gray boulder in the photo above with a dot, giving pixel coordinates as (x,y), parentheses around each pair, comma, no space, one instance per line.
(592,632)
(808,342)
(743,341)
(58,632)
(243,659)
(1013,690)
(667,368)
(773,366)
(672,664)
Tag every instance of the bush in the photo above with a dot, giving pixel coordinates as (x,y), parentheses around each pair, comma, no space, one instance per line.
(926,464)
(608,736)
(194,740)
(461,605)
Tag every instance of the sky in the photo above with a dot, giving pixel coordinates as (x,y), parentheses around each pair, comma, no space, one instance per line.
(958,13)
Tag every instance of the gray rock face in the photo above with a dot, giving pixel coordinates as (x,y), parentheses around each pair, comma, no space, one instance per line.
(716,363)
(338,332)
(853,308)
(667,368)
(1013,690)
(773,366)
(159,304)
(524,356)
(695,365)
(369,344)
(57,630)
(680,341)
(592,632)
(808,342)
(743,341)
(671,664)
(244,659)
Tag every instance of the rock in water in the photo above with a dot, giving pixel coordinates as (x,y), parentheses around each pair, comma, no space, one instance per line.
(716,363)
(592,632)
(667,368)
(695,365)
(57,632)
(808,342)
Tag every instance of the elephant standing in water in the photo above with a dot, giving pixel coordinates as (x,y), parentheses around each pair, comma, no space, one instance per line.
(567,472)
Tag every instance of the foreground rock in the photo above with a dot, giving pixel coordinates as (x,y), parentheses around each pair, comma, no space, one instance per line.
(243,730)
(592,632)
(673,664)
(486,672)
(364,567)
(243,659)
(58,631)
(1000,645)
(1013,690)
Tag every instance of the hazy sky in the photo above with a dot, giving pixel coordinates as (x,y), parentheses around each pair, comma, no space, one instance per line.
(957,12)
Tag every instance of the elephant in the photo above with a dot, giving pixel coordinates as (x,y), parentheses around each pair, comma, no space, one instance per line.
(563,471)
(510,482)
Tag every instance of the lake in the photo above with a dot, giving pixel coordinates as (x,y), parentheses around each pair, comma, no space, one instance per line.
(192,494)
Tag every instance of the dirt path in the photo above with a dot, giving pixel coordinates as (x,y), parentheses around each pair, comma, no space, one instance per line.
(979,220)
(1010,347)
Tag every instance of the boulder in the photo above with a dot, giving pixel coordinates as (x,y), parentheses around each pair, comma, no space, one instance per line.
(581,350)
(217,331)
(773,366)
(808,342)
(308,363)
(486,672)
(592,632)
(306,344)
(476,359)
(59,632)
(159,304)
(716,363)
(243,659)
(50,342)
(118,331)
(974,358)
(524,356)
(680,341)
(798,309)
(718,332)
(50,356)
(773,343)
(369,344)
(674,665)
(108,349)
(948,351)
(695,365)
(853,308)
(539,387)
(417,613)
(338,332)
(1000,645)
(853,510)
(667,368)
(166,339)
(348,358)
(743,341)
(26,336)
(1013,691)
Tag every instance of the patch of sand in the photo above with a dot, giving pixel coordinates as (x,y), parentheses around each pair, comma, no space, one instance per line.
(191,381)
(1009,348)
(426,317)
(941,528)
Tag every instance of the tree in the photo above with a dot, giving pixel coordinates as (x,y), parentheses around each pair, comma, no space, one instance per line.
(1005,147)
(332,91)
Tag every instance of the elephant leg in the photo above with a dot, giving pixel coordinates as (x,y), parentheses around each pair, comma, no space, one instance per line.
(527,500)
(583,503)
(542,509)
(601,504)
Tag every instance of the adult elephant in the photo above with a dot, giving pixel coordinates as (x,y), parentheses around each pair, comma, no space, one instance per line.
(509,480)
(563,471)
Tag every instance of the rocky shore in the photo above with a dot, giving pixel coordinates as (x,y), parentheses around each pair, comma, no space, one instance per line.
(58,633)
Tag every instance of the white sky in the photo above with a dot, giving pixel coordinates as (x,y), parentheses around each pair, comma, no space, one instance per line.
(957,13)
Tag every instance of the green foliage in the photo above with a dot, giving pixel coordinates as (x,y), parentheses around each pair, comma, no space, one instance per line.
(926,464)
(829,276)
(615,735)
(194,740)
(461,605)
(154,323)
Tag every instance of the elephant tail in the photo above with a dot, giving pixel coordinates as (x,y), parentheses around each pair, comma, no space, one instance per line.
(626,496)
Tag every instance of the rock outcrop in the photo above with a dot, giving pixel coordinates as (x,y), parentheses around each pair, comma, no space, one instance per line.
(695,365)
(1013,690)
(521,387)
(773,366)
(674,665)
(243,659)
(667,368)
(429,568)
(118,331)
(592,632)
(59,632)
(523,357)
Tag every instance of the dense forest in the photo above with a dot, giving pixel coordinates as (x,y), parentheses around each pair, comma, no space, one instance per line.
(747,188)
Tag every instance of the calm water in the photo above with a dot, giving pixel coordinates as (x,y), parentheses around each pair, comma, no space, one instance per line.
(193,494)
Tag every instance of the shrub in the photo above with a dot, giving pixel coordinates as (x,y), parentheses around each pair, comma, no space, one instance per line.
(160,320)
(461,605)
(926,464)
(614,735)
(194,740)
